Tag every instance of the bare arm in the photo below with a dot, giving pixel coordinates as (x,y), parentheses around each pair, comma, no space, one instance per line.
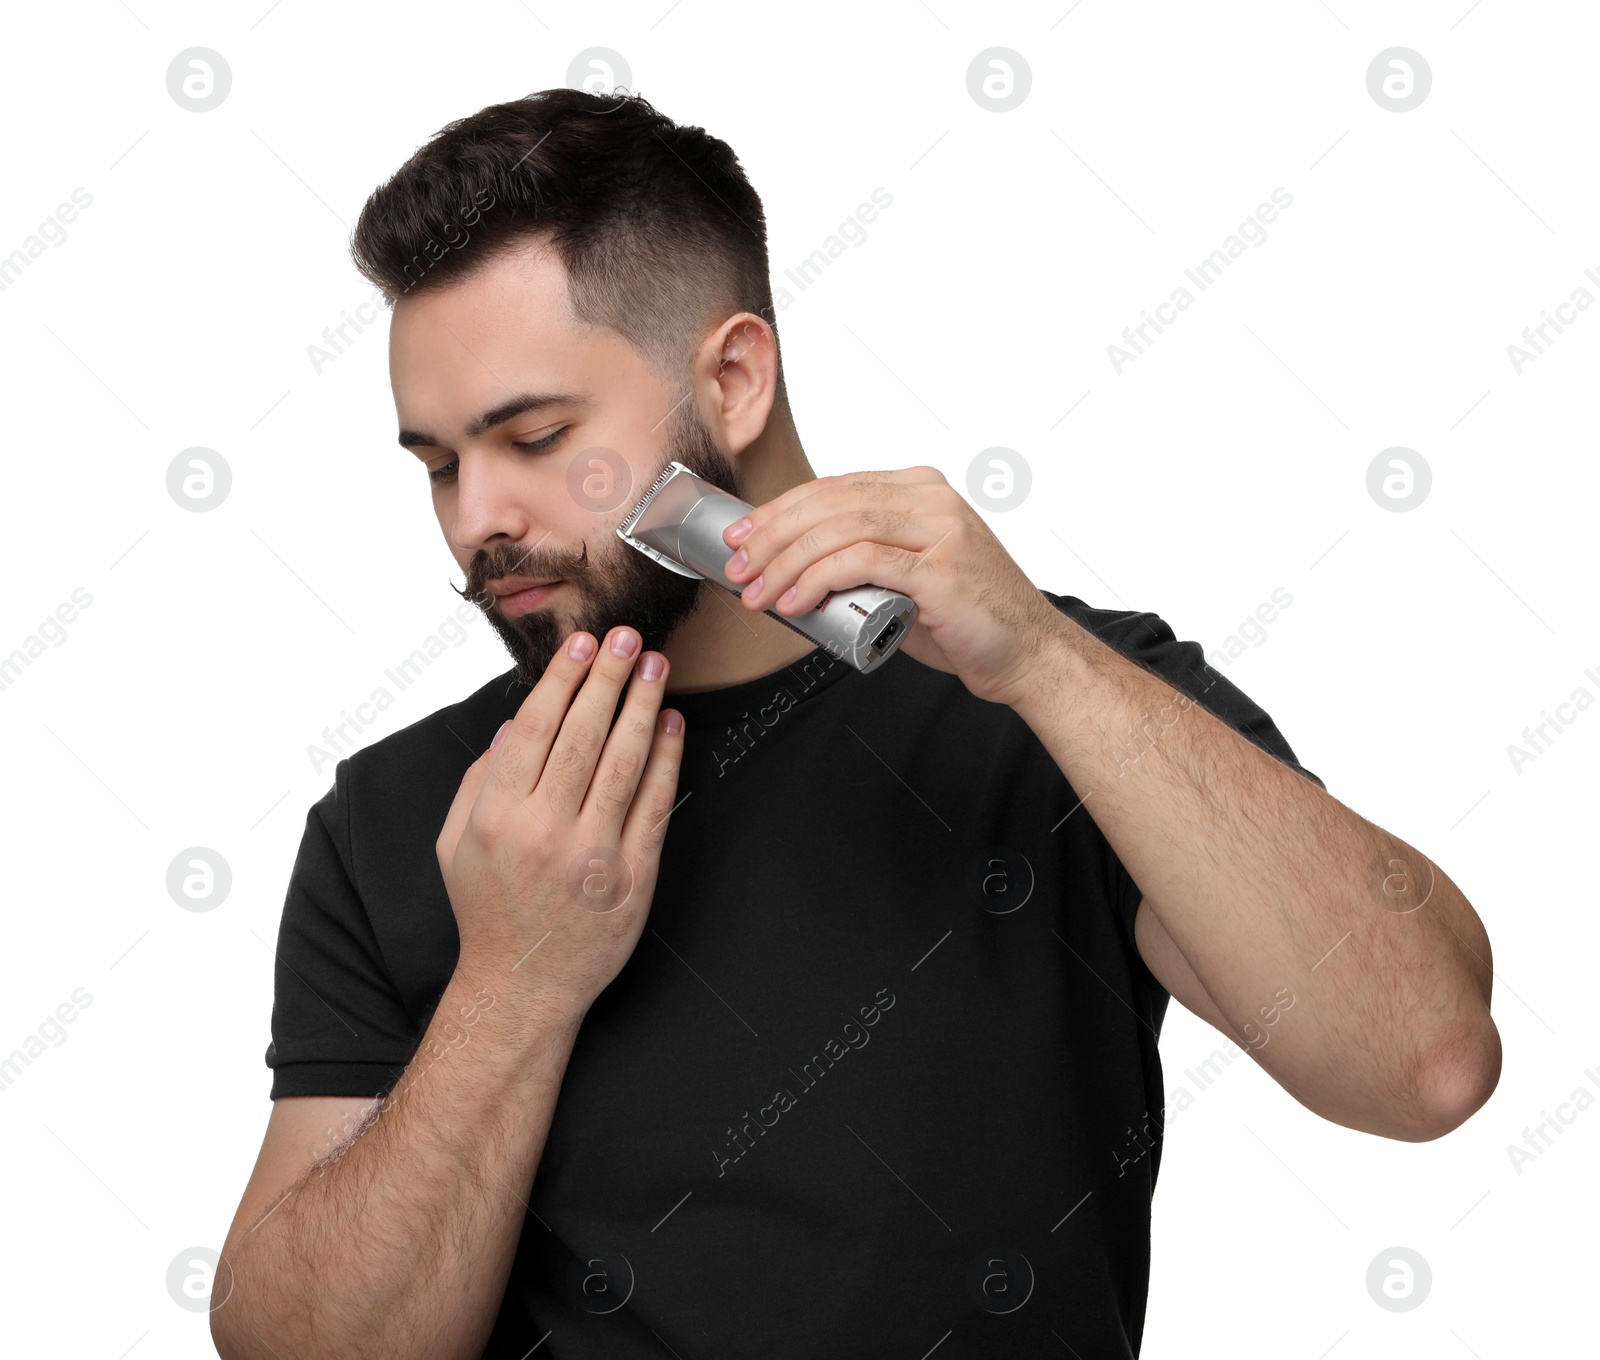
(1266,885)
(400,1242)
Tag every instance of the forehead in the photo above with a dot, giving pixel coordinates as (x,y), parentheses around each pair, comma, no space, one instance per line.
(460,350)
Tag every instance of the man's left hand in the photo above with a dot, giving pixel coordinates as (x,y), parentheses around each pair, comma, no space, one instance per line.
(910,531)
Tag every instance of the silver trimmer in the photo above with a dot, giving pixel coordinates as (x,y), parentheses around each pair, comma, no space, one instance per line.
(680,523)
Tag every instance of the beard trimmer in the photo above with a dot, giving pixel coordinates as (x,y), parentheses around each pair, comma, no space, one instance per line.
(680,523)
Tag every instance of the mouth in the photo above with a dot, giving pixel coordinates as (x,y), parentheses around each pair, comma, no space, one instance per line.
(516,598)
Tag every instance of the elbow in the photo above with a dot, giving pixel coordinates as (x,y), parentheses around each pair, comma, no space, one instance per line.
(224,1339)
(223,1342)
(1458,1080)
(229,1327)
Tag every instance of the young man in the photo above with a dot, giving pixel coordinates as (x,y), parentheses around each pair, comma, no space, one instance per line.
(824,1023)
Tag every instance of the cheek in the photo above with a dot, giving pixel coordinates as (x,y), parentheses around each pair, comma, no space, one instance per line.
(618,563)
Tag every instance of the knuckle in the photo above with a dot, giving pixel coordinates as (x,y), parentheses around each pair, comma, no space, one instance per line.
(500,780)
(569,763)
(486,825)
(508,767)
(613,795)
(610,801)
(582,739)
(655,811)
(663,773)
(625,764)
(531,728)
(653,830)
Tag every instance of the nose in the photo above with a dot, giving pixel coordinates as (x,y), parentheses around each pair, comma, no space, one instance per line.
(490,500)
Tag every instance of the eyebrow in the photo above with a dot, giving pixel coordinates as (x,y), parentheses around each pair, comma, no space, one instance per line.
(498,415)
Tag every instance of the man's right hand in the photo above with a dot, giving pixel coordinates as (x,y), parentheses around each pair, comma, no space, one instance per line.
(550,850)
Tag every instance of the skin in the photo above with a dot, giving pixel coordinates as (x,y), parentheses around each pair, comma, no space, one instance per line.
(1393,1036)
(459,352)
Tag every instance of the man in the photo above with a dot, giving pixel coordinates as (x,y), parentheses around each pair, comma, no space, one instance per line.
(824,1023)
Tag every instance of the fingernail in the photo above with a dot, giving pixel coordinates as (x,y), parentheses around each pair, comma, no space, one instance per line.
(738,561)
(650,667)
(581,648)
(673,722)
(739,530)
(624,642)
(499,734)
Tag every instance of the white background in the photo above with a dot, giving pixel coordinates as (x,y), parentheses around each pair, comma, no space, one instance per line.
(1228,460)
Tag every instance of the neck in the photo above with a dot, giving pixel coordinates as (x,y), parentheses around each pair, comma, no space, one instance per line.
(725,642)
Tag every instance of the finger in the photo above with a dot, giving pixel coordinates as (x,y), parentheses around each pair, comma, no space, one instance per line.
(902,514)
(645,828)
(893,529)
(878,564)
(622,761)
(781,505)
(524,751)
(570,765)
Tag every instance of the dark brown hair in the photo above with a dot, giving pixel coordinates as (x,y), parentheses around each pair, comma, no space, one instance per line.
(660,233)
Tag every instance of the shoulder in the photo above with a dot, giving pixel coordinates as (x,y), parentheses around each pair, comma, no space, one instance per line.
(1149,640)
(411,763)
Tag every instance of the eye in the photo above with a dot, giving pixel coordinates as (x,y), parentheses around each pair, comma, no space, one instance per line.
(547,442)
(445,473)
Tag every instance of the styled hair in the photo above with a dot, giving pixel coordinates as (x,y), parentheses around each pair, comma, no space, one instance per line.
(659,231)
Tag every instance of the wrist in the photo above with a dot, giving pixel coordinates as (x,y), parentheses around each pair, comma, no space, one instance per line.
(517,1002)
(1059,668)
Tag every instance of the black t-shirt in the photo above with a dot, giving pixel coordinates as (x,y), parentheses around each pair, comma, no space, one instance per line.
(880,1075)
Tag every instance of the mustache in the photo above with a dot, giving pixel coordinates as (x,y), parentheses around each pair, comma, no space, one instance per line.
(491,567)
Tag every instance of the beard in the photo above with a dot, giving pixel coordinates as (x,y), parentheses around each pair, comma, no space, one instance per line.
(615,585)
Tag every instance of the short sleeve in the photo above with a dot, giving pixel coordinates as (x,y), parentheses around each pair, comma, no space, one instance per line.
(339,1025)
(1149,640)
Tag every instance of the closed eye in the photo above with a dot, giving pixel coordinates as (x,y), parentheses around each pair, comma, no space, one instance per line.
(445,473)
(544,443)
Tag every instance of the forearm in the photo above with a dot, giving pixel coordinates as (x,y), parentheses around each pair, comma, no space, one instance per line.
(399,1243)
(1264,881)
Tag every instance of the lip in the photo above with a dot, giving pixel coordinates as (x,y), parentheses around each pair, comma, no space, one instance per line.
(509,585)
(515,600)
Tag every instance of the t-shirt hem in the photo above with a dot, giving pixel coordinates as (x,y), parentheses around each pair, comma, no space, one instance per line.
(312,1078)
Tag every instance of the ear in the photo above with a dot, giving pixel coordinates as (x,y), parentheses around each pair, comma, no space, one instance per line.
(739,378)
